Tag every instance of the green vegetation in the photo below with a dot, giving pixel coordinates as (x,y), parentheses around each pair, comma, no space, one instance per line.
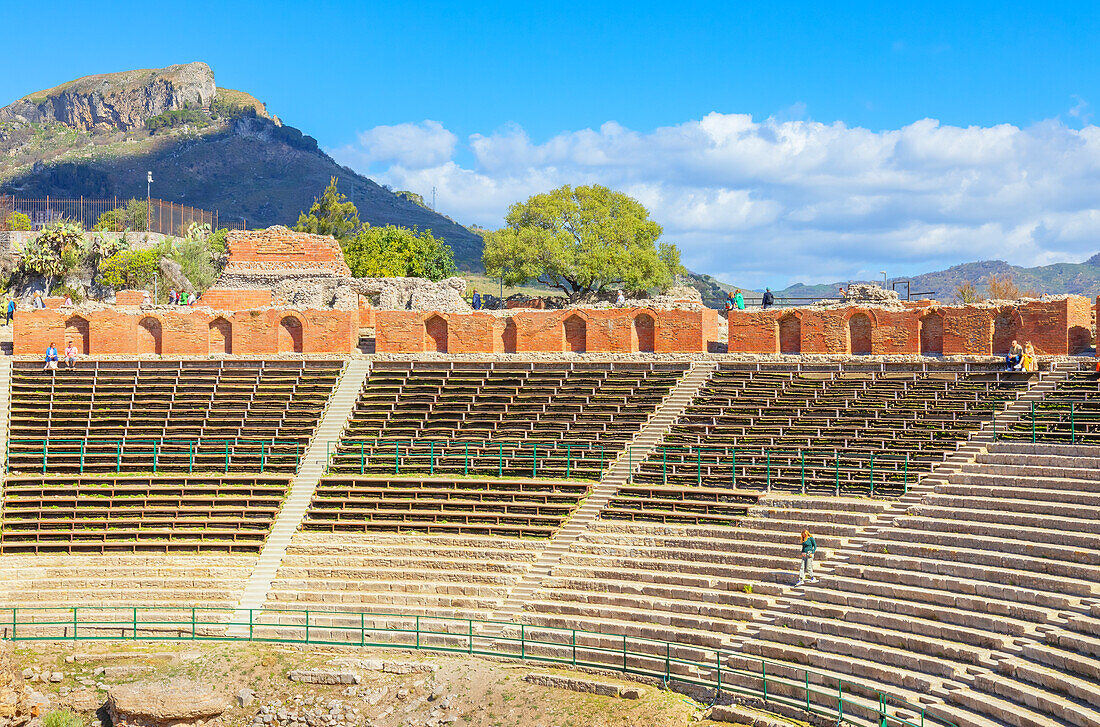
(390,251)
(134,216)
(17,221)
(417,199)
(331,214)
(375,252)
(129,269)
(48,252)
(62,718)
(581,241)
(176,118)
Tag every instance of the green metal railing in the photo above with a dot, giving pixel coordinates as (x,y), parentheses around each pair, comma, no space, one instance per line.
(153,455)
(1047,420)
(724,671)
(476,457)
(764,468)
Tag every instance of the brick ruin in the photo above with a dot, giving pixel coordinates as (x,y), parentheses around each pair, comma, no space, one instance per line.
(290,292)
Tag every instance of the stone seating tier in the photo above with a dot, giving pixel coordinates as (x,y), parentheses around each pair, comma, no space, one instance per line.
(182,416)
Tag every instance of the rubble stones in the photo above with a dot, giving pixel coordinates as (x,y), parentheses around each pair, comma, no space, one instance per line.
(320,676)
(408,667)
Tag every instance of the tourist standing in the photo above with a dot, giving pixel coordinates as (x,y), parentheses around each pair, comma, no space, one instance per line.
(739,300)
(729,302)
(173,297)
(620,300)
(768,300)
(70,355)
(476,302)
(806,569)
(51,358)
(11,310)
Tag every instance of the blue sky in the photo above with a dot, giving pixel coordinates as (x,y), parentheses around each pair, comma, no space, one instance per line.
(490,102)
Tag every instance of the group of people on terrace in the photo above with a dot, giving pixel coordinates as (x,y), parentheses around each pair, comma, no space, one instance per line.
(1021,358)
(52,356)
(179,298)
(736,301)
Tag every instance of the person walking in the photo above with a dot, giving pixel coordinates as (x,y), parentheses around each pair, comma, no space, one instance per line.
(768,300)
(51,358)
(738,300)
(806,569)
(70,355)
(11,310)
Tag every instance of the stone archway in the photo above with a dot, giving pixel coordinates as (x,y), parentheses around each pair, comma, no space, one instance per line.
(859,334)
(644,333)
(509,336)
(221,336)
(435,334)
(790,334)
(77,331)
(1006,329)
(290,335)
(576,334)
(149,336)
(931,335)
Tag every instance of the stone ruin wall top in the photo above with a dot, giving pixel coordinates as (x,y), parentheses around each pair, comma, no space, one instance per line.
(280,249)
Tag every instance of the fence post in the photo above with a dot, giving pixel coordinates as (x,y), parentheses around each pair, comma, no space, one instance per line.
(82,442)
(118,456)
(1072,426)
(568,461)
(135,622)
(431,457)
(193,624)
(733,469)
(500,461)
(263,455)
(307,626)
(190,457)
(718,660)
(466,461)
(74,622)
(768,487)
(764,677)
(803,452)
(574,637)
(624,653)
(840,701)
(664,465)
(523,641)
(836,456)
(418,631)
(397,457)
(43,456)
(534,459)
(251,622)
(872,474)
(227,456)
(470,623)
(155,458)
(905,485)
(807,673)
(363,628)
(1033,422)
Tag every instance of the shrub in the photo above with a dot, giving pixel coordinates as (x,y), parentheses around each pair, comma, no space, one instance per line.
(129,269)
(62,718)
(17,221)
(218,242)
(134,216)
(175,118)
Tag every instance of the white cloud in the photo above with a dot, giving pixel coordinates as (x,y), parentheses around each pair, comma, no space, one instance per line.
(779,201)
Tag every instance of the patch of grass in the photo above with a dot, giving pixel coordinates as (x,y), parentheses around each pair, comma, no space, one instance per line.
(62,718)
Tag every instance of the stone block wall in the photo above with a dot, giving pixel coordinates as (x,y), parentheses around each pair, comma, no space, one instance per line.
(233,299)
(174,331)
(612,330)
(282,249)
(1054,327)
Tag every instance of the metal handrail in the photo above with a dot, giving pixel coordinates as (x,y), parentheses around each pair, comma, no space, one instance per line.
(156,448)
(817,692)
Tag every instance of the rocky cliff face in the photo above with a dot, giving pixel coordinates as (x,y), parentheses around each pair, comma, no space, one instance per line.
(117,100)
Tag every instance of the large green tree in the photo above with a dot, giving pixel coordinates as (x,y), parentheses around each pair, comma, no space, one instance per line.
(390,251)
(331,214)
(581,240)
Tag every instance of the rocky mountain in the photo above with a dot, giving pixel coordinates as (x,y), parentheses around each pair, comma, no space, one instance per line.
(1060,278)
(208,147)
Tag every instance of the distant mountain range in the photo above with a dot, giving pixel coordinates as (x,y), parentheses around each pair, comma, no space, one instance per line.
(208,147)
(1060,278)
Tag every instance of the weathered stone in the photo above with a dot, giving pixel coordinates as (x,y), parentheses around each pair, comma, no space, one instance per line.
(408,667)
(320,676)
(574,684)
(163,704)
(245,697)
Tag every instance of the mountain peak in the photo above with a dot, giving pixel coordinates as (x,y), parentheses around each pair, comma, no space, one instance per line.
(121,100)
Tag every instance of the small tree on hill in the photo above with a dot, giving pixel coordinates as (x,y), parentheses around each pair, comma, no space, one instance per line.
(331,214)
(581,241)
(967,293)
(1002,287)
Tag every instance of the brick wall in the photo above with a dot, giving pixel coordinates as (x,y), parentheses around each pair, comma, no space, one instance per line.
(1056,327)
(280,248)
(233,299)
(186,331)
(594,331)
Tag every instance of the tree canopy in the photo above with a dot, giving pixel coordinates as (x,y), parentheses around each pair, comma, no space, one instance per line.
(331,214)
(391,251)
(377,252)
(581,240)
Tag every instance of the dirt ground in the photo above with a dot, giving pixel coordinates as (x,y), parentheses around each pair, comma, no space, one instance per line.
(463,691)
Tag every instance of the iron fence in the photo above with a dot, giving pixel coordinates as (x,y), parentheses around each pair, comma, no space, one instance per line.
(1056,420)
(726,672)
(135,215)
(153,455)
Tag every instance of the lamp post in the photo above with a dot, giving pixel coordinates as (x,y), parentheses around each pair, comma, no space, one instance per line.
(148,210)
(885,282)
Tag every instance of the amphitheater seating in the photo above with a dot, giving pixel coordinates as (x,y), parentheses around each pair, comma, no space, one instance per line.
(1070,414)
(186,513)
(556,420)
(529,508)
(987,583)
(124,579)
(689,583)
(180,416)
(755,429)
(456,576)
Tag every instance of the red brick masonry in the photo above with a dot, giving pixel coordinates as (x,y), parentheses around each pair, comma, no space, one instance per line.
(1056,327)
(279,249)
